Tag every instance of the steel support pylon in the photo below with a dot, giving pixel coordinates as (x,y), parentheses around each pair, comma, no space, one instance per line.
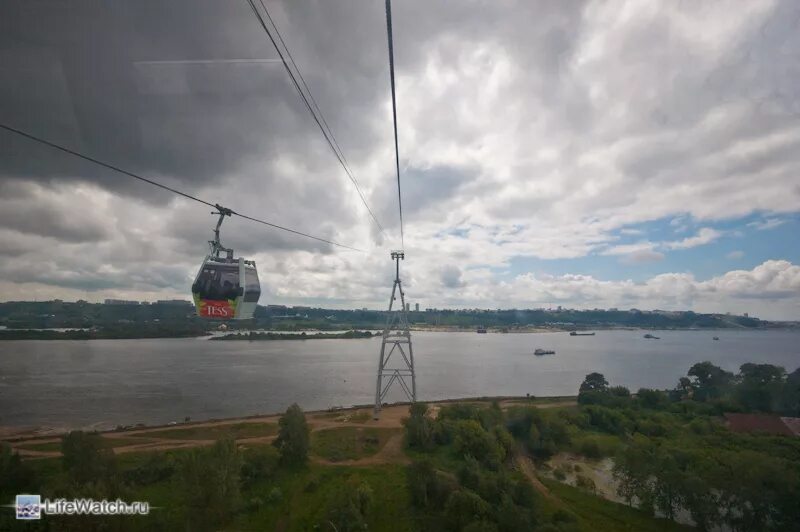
(396,363)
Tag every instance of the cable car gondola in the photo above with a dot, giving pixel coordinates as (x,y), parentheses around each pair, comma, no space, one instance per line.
(225,287)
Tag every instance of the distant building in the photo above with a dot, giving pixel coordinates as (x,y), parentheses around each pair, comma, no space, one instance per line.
(416,307)
(763,423)
(277,308)
(298,309)
(408,307)
(746,315)
(175,302)
(119,302)
(364,309)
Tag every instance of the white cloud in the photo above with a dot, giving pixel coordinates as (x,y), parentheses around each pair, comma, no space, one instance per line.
(626,249)
(735,255)
(770,290)
(704,236)
(644,256)
(767,223)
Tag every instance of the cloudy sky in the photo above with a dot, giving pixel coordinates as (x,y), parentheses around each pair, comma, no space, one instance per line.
(583,154)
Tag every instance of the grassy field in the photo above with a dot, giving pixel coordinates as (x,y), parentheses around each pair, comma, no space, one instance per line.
(349,443)
(305,495)
(235,430)
(104,442)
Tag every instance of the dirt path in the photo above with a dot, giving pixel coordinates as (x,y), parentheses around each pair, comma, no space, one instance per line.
(390,453)
(527,468)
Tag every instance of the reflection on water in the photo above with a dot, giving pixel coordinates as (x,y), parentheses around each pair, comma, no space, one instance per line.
(81,383)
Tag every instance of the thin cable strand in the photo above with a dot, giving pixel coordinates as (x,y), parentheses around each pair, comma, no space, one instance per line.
(328,134)
(165,187)
(394,115)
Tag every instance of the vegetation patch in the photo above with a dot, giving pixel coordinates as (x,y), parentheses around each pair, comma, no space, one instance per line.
(254,336)
(103,442)
(234,430)
(596,513)
(349,443)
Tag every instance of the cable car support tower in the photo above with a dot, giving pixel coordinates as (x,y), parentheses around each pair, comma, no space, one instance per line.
(396,363)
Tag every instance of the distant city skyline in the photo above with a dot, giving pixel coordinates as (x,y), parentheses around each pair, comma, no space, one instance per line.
(417,308)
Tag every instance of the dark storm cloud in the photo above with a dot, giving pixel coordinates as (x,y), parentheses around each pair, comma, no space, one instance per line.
(96,77)
(23,209)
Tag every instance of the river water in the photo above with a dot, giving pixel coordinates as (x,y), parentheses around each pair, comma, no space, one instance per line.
(102,383)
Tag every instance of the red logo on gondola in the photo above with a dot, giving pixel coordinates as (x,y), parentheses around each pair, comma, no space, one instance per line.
(217,309)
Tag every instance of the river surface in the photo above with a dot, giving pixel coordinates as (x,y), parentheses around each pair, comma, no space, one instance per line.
(102,383)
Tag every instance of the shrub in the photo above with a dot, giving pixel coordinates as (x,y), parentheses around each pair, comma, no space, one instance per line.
(419,427)
(85,460)
(293,436)
(595,446)
(259,463)
(480,526)
(158,467)
(585,483)
(459,411)
(348,509)
(471,439)
(590,448)
(463,507)
(653,399)
(15,475)
(607,420)
(619,391)
(312,485)
(209,481)
(274,495)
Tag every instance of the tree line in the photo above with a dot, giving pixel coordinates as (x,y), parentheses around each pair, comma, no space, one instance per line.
(677,456)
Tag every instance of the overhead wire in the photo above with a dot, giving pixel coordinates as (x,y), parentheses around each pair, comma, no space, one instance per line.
(317,115)
(165,187)
(394,114)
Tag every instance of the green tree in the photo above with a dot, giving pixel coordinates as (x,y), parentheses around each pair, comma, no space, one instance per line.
(15,475)
(594,382)
(760,386)
(258,463)
(86,460)
(471,439)
(710,381)
(293,439)
(633,471)
(464,507)
(514,518)
(619,391)
(653,399)
(419,427)
(790,394)
(209,483)
(348,509)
